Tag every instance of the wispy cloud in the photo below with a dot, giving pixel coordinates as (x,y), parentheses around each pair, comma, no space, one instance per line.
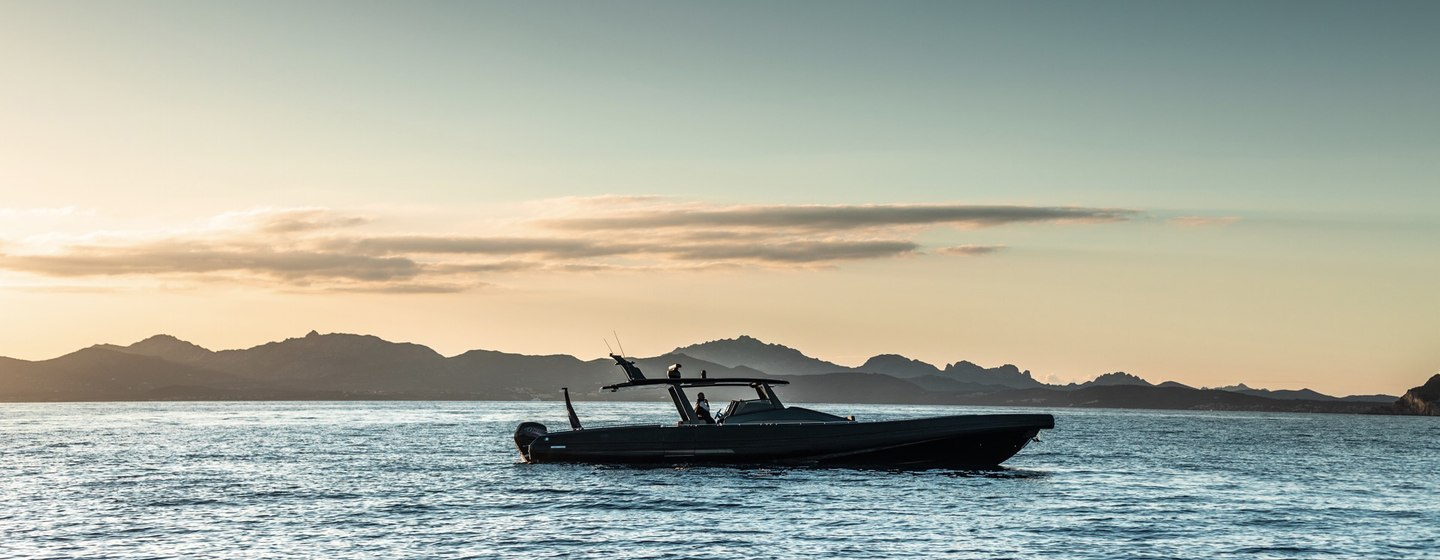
(841,218)
(440,244)
(394,288)
(179,258)
(794,252)
(1202,221)
(289,220)
(970,250)
(312,249)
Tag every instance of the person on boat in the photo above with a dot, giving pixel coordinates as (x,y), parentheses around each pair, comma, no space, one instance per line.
(674,371)
(702,409)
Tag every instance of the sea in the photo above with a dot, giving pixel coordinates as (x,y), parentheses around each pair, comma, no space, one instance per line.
(443,480)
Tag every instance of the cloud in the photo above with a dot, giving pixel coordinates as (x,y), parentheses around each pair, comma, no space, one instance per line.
(287,220)
(609,200)
(318,249)
(553,247)
(712,235)
(795,252)
(170,258)
(841,218)
(485,267)
(757,247)
(1202,221)
(399,288)
(970,250)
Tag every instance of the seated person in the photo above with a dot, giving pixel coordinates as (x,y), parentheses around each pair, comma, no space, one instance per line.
(702,409)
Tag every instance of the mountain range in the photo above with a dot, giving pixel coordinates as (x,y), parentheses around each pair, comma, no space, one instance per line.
(350,367)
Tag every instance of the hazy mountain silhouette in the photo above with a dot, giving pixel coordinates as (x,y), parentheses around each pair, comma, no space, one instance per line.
(899,366)
(772,358)
(1304,394)
(691,367)
(1007,375)
(99,373)
(363,366)
(499,375)
(1113,379)
(349,366)
(353,364)
(943,384)
(777,359)
(857,387)
(1377,398)
(167,348)
(1151,397)
(876,388)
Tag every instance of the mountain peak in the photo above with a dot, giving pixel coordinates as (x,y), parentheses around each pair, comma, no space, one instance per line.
(742,341)
(167,347)
(1007,375)
(312,334)
(1117,378)
(898,366)
(774,359)
(1286,394)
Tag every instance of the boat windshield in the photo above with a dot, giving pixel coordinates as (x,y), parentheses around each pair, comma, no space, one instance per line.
(745,407)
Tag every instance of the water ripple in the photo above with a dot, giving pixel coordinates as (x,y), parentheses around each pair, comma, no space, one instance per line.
(442,480)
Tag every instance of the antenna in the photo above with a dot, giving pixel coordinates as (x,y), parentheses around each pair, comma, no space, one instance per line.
(617,342)
(608,349)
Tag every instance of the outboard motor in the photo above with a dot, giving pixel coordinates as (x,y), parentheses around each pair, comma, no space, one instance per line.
(526,434)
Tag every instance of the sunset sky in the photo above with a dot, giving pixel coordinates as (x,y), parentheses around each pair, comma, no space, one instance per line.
(1205,192)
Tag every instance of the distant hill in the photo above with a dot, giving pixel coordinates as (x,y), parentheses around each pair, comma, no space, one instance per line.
(775,359)
(690,367)
(855,387)
(1007,375)
(99,373)
(874,388)
(940,383)
(1116,378)
(1304,394)
(1169,398)
(351,367)
(899,366)
(166,347)
(1368,398)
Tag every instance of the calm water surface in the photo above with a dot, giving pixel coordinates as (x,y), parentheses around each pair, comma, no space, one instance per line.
(441,480)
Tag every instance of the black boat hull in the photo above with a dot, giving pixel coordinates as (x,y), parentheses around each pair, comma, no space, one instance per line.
(947,441)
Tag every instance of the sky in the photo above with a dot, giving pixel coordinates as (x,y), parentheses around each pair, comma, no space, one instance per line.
(1210,193)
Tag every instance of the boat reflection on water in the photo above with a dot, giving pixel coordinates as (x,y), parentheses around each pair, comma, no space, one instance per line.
(763,431)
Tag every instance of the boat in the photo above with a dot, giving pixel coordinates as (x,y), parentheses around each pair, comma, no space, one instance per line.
(763,430)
